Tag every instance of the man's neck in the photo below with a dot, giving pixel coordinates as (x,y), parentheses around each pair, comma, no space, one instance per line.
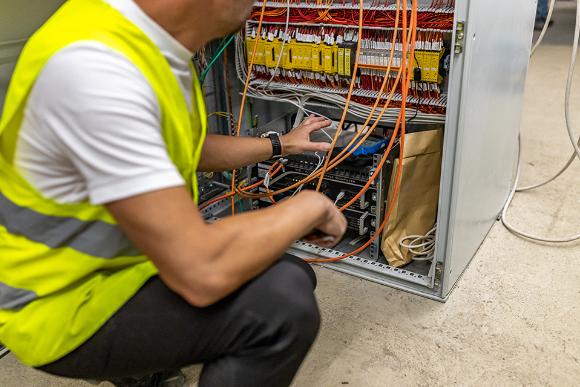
(176,17)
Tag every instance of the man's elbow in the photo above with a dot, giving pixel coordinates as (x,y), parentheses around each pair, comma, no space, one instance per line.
(207,291)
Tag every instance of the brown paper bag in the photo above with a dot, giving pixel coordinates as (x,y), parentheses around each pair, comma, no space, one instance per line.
(415,209)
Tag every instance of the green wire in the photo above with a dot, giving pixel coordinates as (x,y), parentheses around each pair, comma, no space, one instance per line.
(216,57)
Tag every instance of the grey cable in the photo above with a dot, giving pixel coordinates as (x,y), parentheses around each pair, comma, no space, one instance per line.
(545,28)
(573,156)
(571,134)
(287,26)
(421,247)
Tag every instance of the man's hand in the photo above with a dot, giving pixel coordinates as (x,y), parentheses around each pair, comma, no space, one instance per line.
(224,153)
(332,227)
(298,140)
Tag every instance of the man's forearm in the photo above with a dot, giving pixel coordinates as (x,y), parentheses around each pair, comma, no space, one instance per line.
(224,153)
(204,263)
(235,250)
(251,242)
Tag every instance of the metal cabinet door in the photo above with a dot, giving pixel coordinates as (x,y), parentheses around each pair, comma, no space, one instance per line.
(488,108)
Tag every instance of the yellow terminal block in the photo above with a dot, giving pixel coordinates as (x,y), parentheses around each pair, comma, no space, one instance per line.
(335,59)
(316,58)
(286,57)
(347,61)
(270,54)
(259,58)
(340,59)
(289,57)
(306,56)
(299,64)
(327,59)
(330,59)
(429,61)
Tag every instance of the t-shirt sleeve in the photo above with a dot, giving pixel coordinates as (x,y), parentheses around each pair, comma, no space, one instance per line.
(106,119)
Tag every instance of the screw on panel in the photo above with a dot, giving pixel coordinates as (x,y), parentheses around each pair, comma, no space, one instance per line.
(459,37)
(438,274)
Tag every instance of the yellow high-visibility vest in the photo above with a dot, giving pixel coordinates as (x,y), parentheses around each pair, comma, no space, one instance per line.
(65,269)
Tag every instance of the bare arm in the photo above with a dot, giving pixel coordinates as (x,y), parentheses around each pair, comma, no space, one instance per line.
(204,263)
(224,153)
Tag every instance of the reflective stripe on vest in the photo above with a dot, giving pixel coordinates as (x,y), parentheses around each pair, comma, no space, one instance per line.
(98,239)
(14,298)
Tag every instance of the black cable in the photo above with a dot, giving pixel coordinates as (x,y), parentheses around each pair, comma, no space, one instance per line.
(416,108)
(417,77)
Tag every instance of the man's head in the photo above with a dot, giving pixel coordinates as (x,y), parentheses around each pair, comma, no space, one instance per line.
(196,22)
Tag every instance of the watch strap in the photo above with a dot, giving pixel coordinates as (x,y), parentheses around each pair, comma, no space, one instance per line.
(276,144)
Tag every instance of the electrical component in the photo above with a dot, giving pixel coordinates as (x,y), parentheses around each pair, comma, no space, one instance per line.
(341,184)
(315,57)
(311,48)
(378,69)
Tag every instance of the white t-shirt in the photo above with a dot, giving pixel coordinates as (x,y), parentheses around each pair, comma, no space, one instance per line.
(92,125)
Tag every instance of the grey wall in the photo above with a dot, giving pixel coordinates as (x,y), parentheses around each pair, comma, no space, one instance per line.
(18,20)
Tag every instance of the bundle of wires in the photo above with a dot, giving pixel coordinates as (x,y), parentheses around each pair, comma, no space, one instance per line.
(327,98)
(404,76)
(421,247)
(344,154)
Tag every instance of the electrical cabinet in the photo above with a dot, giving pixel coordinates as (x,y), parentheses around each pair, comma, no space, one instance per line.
(469,69)
(478,106)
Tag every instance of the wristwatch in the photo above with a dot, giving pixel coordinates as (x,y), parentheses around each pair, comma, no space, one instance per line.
(276,143)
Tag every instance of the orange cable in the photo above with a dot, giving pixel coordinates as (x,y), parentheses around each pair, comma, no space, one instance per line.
(339,158)
(334,164)
(245,94)
(349,96)
(231,193)
(402,121)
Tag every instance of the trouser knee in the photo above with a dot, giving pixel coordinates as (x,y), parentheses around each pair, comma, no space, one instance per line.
(297,308)
(305,267)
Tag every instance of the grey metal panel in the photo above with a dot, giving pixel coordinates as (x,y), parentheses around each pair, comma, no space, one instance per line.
(19,20)
(370,270)
(498,41)
(450,141)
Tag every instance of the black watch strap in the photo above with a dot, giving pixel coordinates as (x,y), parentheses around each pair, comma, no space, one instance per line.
(276,144)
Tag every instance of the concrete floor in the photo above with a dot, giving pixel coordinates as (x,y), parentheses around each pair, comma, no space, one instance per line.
(513,320)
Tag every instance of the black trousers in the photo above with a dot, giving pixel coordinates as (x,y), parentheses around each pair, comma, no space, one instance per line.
(258,336)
